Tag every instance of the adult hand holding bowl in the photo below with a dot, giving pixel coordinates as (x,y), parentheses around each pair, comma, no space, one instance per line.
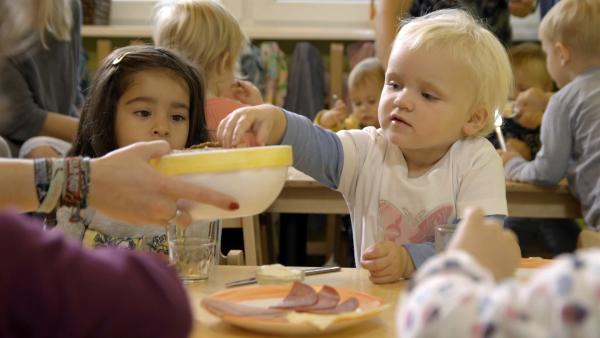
(254,176)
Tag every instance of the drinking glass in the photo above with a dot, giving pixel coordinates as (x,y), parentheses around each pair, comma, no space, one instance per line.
(194,250)
(443,235)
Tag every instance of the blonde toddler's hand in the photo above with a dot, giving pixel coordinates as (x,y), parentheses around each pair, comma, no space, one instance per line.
(246,92)
(264,124)
(492,246)
(387,262)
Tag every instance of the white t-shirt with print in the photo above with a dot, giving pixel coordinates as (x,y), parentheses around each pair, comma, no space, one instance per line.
(387,204)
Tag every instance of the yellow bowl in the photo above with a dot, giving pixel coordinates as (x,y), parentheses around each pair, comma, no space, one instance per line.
(254,176)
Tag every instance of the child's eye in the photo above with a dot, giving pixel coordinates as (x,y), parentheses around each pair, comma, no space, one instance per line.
(372,101)
(178,117)
(142,113)
(428,96)
(393,85)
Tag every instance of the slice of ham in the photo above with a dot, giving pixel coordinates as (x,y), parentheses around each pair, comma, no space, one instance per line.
(327,298)
(301,295)
(349,305)
(301,298)
(220,307)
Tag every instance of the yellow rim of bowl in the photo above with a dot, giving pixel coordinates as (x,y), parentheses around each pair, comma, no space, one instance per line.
(223,160)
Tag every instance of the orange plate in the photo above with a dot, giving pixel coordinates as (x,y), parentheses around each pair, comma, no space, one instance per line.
(267,295)
(534,263)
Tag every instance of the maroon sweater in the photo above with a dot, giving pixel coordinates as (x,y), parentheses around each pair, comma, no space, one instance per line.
(51,287)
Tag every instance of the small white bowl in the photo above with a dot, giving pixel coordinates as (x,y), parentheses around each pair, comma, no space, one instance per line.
(254,176)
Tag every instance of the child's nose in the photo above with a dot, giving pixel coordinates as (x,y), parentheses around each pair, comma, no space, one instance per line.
(403,101)
(161,127)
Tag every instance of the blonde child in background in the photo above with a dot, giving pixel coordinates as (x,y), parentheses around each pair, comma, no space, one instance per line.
(364,87)
(140,93)
(529,70)
(427,162)
(570,131)
(456,294)
(537,236)
(207,34)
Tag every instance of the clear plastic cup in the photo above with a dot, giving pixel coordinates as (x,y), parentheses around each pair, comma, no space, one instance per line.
(193,251)
(443,235)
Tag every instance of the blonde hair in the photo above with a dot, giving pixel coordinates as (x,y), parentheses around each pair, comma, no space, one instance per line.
(367,71)
(469,44)
(56,19)
(574,23)
(531,56)
(202,30)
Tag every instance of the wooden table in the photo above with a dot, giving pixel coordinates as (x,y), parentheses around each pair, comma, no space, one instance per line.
(302,194)
(383,326)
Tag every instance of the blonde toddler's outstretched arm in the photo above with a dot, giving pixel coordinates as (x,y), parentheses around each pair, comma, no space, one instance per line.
(264,125)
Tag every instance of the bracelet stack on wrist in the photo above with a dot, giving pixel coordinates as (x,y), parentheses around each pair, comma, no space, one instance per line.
(63,181)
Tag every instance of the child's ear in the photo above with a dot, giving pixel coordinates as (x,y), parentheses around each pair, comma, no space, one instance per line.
(564,53)
(476,122)
(225,64)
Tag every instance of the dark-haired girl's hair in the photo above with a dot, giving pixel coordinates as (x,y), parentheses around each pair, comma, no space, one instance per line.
(96,135)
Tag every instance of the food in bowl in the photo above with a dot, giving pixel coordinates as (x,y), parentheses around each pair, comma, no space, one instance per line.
(254,176)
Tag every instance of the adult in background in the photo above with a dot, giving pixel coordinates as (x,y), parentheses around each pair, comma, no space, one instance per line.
(386,15)
(40,85)
(51,287)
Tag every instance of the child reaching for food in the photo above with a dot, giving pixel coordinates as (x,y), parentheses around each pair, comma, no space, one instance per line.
(457,295)
(140,93)
(427,162)
(364,86)
(207,34)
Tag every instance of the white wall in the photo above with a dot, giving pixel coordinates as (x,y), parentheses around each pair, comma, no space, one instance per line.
(295,19)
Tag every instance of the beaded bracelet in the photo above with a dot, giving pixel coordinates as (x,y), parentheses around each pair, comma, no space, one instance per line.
(62,182)
(76,185)
(57,178)
(41,168)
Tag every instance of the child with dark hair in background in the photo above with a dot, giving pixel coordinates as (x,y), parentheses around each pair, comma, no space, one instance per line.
(140,93)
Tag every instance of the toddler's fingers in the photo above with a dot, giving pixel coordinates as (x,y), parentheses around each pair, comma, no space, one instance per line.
(382,269)
(242,127)
(373,252)
(229,128)
(262,137)
(374,265)
(382,279)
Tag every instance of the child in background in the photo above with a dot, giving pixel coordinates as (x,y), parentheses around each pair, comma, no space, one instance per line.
(529,70)
(140,93)
(364,86)
(427,162)
(207,34)
(455,294)
(552,236)
(570,131)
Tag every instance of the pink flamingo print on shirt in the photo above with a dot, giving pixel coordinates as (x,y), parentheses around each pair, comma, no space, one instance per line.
(404,227)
